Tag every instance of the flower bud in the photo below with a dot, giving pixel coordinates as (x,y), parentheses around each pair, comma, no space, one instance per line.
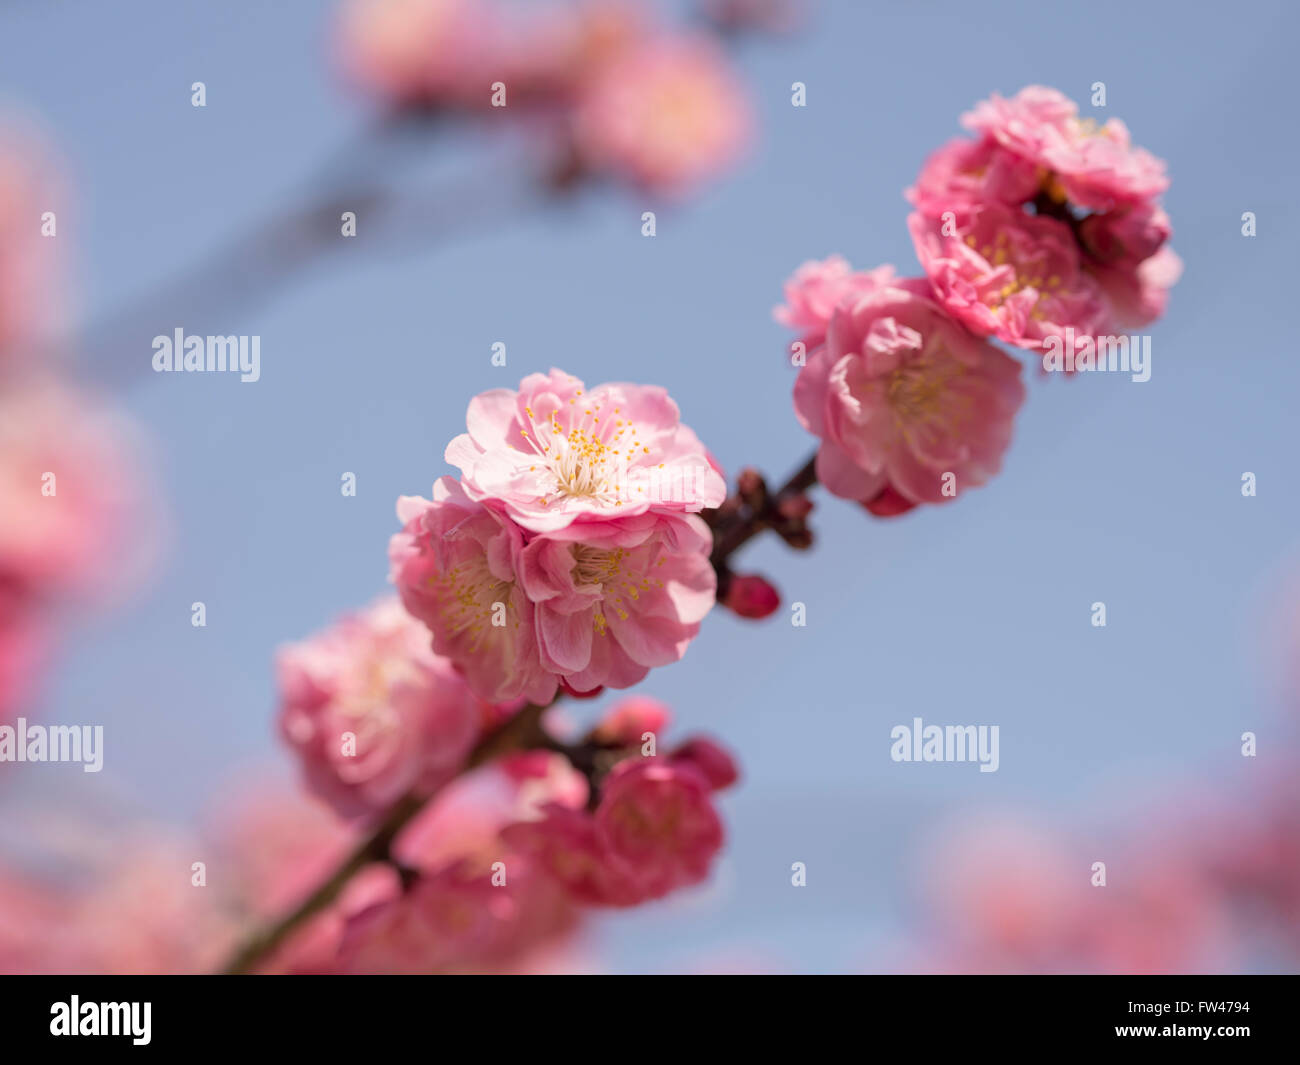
(751,596)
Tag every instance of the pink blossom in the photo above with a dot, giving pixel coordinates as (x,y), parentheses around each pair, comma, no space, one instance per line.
(654,830)
(665,115)
(460,919)
(628,720)
(614,598)
(422,52)
(710,759)
(1011,275)
(966,173)
(454,565)
(76,517)
(463,820)
(901,395)
(554,452)
(751,596)
(479,904)
(1096,165)
(372,712)
(818,288)
(550,53)
(1139,294)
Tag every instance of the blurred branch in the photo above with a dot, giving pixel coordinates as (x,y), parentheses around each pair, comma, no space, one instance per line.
(521,732)
(252,268)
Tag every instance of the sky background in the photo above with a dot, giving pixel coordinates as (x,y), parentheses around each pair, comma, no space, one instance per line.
(975,613)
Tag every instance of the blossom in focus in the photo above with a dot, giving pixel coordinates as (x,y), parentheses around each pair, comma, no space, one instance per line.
(625,723)
(665,115)
(818,287)
(964,174)
(614,598)
(372,712)
(1096,164)
(903,397)
(554,452)
(1003,273)
(454,566)
(751,596)
(1043,194)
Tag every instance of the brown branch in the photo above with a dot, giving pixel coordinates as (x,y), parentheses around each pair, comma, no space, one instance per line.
(521,732)
(734,525)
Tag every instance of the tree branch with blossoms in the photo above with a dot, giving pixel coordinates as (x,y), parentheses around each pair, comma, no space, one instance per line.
(746,513)
(590,531)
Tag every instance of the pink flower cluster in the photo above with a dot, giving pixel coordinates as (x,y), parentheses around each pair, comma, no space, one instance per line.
(373,713)
(660,108)
(654,829)
(76,527)
(1211,878)
(570,551)
(509,854)
(1045,223)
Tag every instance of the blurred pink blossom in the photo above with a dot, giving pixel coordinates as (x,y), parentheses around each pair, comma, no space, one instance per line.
(665,115)
(372,712)
(425,52)
(77,517)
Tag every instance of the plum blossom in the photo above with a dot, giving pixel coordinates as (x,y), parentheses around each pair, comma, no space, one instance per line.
(654,830)
(965,173)
(76,521)
(479,904)
(666,114)
(818,287)
(1096,165)
(613,599)
(372,712)
(1007,274)
(1047,194)
(901,395)
(454,566)
(554,452)
(425,52)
